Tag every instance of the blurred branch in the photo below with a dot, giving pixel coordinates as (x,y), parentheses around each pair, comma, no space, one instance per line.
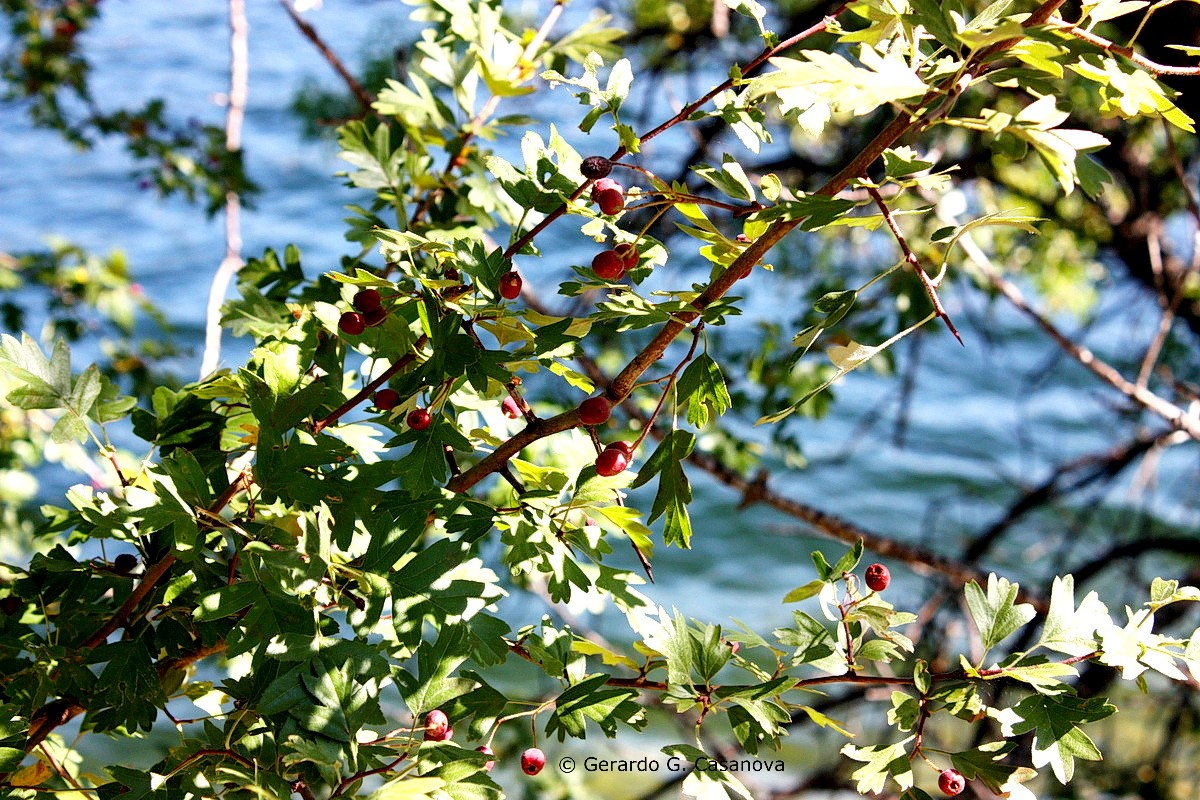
(235,112)
(362,95)
(1181,419)
(1097,465)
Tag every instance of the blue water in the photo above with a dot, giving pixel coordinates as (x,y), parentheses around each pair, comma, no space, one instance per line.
(978,424)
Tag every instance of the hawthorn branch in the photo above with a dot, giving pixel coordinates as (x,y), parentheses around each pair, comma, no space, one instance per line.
(1127,52)
(397,367)
(680,116)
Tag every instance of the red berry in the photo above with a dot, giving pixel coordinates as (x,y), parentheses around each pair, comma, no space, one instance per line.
(510,408)
(951,782)
(374,317)
(451,274)
(595,411)
(367,300)
(436,725)
(612,461)
(510,285)
(628,253)
(352,323)
(611,202)
(487,751)
(532,761)
(386,399)
(878,577)
(11,605)
(608,265)
(419,419)
(624,447)
(605,185)
(595,167)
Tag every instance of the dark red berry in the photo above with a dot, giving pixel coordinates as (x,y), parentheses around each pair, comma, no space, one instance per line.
(951,782)
(487,751)
(594,167)
(124,563)
(418,420)
(367,300)
(608,265)
(628,253)
(352,323)
(611,202)
(386,399)
(510,408)
(374,317)
(437,725)
(532,761)
(878,577)
(510,285)
(11,605)
(451,274)
(612,461)
(595,411)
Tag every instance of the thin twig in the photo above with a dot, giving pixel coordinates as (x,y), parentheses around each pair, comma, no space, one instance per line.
(911,259)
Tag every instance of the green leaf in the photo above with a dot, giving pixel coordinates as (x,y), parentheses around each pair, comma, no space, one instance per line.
(730,178)
(819,84)
(1070,630)
(1055,721)
(590,700)
(983,763)
(883,761)
(996,613)
(674,490)
(702,387)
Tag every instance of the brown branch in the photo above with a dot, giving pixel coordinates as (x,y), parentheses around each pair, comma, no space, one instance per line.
(1127,52)
(362,95)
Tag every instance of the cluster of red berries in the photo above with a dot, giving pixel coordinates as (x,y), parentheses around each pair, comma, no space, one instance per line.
(614,460)
(611,264)
(386,399)
(368,312)
(437,729)
(616,456)
(609,196)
